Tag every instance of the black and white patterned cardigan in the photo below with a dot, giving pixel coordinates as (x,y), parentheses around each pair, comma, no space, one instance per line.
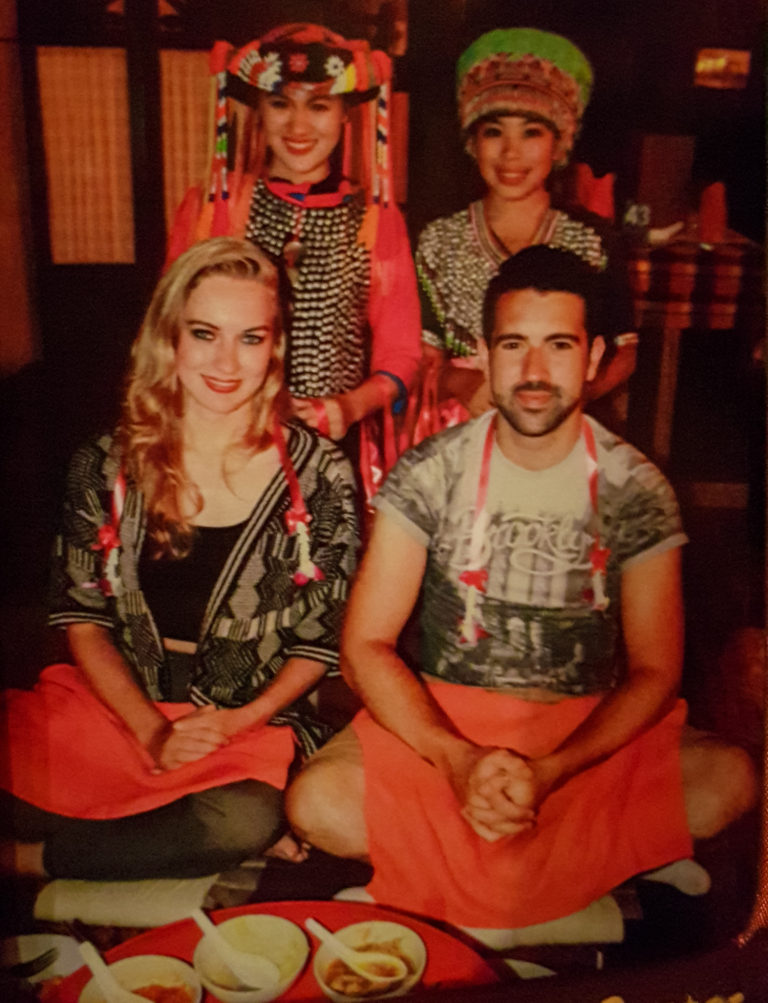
(256,617)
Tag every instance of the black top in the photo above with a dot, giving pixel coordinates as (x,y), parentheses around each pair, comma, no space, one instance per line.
(178,589)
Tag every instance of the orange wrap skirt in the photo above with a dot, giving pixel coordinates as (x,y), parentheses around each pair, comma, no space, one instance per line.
(66,752)
(614,820)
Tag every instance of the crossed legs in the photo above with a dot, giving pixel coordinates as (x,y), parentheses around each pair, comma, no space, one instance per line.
(199,834)
(720,782)
(325,803)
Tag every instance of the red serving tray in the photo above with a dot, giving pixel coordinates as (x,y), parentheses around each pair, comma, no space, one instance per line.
(451,964)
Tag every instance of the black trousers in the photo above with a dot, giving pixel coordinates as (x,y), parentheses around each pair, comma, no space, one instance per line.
(201,833)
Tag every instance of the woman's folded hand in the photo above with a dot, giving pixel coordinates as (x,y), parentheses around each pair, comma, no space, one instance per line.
(192,737)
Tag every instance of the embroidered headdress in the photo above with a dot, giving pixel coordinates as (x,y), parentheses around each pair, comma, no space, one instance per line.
(312,57)
(529,72)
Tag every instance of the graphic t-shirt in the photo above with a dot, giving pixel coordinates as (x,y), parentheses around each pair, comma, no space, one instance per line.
(539,625)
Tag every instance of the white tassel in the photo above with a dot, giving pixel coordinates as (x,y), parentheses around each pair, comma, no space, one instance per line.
(308,570)
(600,601)
(468,624)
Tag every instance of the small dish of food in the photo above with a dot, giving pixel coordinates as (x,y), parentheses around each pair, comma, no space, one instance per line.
(272,937)
(156,977)
(339,983)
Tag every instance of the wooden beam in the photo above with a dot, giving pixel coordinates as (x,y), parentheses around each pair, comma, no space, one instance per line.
(143,60)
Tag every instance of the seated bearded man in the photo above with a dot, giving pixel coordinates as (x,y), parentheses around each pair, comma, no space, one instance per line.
(534,762)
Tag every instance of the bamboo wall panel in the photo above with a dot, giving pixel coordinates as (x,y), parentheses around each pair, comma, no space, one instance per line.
(185,93)
(19,339)
(84,107)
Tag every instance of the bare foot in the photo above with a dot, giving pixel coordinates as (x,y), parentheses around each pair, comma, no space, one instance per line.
(287,848)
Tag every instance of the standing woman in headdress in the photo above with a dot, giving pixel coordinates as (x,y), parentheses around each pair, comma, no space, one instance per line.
(521,97)
(311,183)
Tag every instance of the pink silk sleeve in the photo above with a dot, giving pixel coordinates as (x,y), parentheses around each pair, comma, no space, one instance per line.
(393,309)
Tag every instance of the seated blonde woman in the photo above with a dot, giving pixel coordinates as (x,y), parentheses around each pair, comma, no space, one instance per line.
(200,573)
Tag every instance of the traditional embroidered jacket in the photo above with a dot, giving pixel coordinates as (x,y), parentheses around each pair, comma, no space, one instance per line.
(458,255)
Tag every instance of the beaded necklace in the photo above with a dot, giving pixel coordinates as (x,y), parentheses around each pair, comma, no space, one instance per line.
(328,345)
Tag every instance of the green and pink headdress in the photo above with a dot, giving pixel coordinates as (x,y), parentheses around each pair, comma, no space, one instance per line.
(524,71)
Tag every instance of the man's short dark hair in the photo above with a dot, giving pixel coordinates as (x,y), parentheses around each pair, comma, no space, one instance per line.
(547,270)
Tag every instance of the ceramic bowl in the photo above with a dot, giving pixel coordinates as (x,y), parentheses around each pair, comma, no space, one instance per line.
(408,944)
(147,970)
(276,938)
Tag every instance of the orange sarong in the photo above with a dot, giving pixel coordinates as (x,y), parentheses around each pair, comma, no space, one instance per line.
(66,752)
(616,819)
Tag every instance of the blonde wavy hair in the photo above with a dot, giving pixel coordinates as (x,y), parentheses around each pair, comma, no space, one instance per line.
(149,433)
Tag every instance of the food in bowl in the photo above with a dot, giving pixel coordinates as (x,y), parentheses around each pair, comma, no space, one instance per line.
(165,994)
(340,977)
(340,984)
(156,977)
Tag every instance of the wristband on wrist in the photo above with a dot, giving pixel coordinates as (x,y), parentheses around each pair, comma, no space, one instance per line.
(398,404)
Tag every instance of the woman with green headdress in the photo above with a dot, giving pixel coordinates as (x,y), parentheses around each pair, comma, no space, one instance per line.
(521,97)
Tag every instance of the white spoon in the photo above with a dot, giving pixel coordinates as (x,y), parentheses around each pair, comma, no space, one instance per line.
(253,970)
(360,961)
(113,991)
